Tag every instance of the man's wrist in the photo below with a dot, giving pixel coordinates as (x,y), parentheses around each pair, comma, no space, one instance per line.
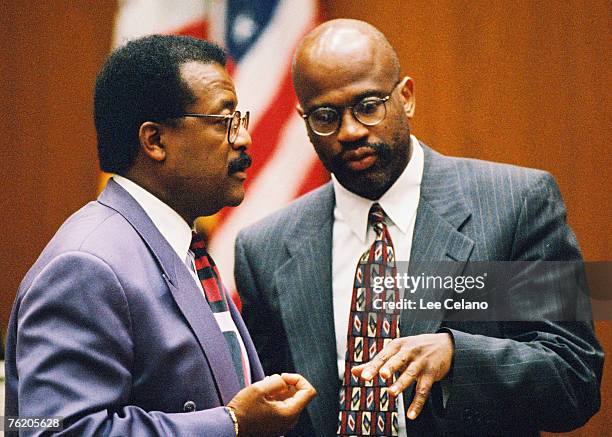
(443,330)
(232,414)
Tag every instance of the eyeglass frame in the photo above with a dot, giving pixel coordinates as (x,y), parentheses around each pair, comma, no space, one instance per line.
(243,120)
(382,100)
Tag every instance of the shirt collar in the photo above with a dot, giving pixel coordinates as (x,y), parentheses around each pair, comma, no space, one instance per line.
(399,202)
(169,223)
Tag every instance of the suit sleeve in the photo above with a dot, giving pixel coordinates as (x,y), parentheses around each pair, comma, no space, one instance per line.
(75,355)
(543,374)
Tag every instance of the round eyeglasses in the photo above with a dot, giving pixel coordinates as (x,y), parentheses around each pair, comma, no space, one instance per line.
(370,111)
(234,121)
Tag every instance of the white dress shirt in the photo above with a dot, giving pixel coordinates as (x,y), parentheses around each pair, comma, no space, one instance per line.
(352,237)
(177,233)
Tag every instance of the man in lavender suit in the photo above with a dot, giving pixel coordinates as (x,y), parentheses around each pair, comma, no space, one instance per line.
(113,328)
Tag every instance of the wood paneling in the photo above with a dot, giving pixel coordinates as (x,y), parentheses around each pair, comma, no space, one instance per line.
(50,54)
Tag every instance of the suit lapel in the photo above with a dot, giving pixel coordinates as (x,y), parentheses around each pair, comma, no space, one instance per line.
(200,317)
(438,248)
(305,298)
(185,292)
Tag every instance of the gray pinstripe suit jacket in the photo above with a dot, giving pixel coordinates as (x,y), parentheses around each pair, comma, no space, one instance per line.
(507,377)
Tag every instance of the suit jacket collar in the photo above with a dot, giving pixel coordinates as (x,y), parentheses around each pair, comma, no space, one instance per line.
(441,188)
(438,246)
(169,223)
(441,213)
(184,290)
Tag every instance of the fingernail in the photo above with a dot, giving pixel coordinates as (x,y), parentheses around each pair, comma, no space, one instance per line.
(384,372)
(393,390)
(366,374)
(411,415)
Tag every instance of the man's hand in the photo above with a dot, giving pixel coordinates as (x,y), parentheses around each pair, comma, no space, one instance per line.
(271,407)
(423,358)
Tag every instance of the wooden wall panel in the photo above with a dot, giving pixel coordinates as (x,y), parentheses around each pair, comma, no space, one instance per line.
(50,54)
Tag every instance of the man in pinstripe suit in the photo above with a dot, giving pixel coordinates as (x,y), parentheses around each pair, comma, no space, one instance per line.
(294,269)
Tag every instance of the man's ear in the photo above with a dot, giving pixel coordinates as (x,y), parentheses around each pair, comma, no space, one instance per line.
(299,109)
(150,140)
(407,91)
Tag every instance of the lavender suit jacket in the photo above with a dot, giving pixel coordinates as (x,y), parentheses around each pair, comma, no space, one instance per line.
(110,331)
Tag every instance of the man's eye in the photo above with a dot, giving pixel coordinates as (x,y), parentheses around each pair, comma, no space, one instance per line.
(325,115)
(368,106)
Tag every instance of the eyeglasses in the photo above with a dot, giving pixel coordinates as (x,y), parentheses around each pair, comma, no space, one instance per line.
(235,121)
(370,111)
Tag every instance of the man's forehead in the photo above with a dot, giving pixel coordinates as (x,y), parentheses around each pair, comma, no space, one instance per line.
(207,78)
(338,63)
(342,85)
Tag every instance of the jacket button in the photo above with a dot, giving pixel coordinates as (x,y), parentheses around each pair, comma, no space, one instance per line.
(189,407)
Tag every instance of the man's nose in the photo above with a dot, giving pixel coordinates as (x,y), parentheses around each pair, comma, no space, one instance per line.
(243,140)
(350,128)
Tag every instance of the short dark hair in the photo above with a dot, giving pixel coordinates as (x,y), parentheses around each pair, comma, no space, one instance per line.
(141,81)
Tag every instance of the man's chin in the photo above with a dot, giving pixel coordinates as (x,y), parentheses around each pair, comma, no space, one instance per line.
(235,198)
(368,184)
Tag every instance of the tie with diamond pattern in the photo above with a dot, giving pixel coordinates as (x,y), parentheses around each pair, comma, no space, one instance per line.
(366,408)
(216,296)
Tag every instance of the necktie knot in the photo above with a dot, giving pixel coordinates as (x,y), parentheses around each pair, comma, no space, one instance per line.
(198,244)
(376,215)
(376,218)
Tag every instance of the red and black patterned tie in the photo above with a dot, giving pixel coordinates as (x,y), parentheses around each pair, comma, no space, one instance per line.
(216,296)
(366,408)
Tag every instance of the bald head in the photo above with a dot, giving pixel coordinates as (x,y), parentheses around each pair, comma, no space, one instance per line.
(341,47)
(345,64)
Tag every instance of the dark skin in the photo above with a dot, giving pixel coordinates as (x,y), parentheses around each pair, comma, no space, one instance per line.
(336,65)
(188,165)
(186,162)
(271,407)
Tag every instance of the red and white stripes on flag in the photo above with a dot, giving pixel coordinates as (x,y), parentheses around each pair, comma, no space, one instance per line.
(260,38)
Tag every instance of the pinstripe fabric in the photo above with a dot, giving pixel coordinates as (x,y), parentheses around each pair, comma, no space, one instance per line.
(506,377)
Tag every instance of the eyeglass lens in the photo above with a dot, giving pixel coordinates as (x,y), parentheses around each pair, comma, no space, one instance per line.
(370,111)
(235,123)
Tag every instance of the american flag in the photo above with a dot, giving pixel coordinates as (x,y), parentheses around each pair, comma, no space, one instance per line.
(260,38)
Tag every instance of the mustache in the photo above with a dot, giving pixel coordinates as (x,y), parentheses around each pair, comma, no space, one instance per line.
(383,150)
(241,163)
